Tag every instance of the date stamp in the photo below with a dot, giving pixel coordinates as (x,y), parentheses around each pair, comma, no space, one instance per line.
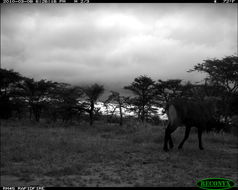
(46,1)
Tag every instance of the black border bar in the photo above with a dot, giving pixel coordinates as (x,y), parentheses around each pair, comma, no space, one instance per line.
(116,1)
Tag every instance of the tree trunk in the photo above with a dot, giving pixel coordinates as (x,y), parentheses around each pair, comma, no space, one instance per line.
(226,109)
(36,112)
(143,114)
(30,112)
(18,113)
(121,117)
(91,113)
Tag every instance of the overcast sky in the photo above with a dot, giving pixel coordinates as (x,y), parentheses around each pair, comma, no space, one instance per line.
(113,43)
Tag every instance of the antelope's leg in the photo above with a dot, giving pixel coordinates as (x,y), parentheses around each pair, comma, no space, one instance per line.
(200,138)
(170,129)
(166,137)
(187,131)
(171,144)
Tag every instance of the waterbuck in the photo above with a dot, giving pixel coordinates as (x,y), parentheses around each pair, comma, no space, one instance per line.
(200,114)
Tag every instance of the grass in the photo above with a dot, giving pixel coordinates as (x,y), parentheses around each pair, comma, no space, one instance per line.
(111,155)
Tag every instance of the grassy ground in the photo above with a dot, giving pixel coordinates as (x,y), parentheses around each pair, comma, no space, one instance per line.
(110,155)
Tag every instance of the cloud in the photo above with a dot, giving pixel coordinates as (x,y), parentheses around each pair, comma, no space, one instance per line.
(114,43)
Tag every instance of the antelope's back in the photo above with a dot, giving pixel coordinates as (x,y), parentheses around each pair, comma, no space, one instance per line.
(189,112)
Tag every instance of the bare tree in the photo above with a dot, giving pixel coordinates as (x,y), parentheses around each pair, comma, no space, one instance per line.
(92,93)
(119,100)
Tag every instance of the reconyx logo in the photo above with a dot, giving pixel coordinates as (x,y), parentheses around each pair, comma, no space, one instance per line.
(215,183)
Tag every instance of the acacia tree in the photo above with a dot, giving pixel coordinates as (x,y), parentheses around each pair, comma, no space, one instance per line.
(168,90)
(119,100)
(221,73)
(199,91)
(8,79)
(143,89)
(110,109)
(64,102)
(92,93)
(53,109)
(36,93)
